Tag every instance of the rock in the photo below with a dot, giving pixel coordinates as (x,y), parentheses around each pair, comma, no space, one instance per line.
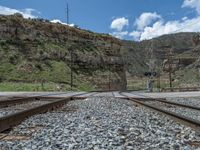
(117,130)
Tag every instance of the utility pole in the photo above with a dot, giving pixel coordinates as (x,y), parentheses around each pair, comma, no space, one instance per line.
(71,51)
(72,65)
(169,59)
(158,81)
(152,66)
(109,73)
(67,11)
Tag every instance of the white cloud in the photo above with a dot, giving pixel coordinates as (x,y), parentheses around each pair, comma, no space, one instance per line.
(146,19)
(152,25)
(119,34)
(160,28)
(58,21)
(27,13)
(194,4)
(119,23)
(184,18)
(135,34)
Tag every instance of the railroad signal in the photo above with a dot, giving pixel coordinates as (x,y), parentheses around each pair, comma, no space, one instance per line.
(170,59)
(150,80)
(150,74)
(71,66)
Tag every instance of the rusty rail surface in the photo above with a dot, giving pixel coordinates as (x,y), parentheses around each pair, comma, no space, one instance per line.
(195,124)
(163,100)
(12,120)
(178,104)
(5,103)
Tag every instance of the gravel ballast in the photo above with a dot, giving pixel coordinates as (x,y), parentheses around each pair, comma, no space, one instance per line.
(103,123)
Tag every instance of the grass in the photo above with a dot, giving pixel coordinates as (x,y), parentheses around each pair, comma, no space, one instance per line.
(189,78)
(82,85)
(16,87)
(11,86)
(22,69)
(56,75)
(136,84)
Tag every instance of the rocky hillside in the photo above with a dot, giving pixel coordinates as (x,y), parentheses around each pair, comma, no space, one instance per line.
(35,51)
(182,46)
(153,54)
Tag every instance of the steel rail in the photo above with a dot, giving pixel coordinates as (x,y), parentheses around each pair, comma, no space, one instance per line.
(163,100)
(49,98)
(5,103)
(9,121)
(178,104)
(195,124)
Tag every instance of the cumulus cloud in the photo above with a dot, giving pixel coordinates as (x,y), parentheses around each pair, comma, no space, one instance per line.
(27,13)
(151,25)
(135,34)
(146,19)
(195,4)
(119,23)
(119,34)
(160,28)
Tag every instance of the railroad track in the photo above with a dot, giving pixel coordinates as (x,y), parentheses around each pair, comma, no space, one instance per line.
(195,124)
(13,119)
(22,106)
(163,100)
(14,101)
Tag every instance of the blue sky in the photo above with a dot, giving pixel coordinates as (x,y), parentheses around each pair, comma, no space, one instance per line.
(126,19)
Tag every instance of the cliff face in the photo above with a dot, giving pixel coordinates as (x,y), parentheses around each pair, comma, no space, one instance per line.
(35,50)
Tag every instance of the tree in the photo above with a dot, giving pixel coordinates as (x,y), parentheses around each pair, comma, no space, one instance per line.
(18,15)
(196,39)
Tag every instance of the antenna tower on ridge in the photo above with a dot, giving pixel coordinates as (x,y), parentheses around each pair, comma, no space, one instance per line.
(67,12)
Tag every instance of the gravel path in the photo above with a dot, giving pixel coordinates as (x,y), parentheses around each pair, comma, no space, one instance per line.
(20,107)
(102,123)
